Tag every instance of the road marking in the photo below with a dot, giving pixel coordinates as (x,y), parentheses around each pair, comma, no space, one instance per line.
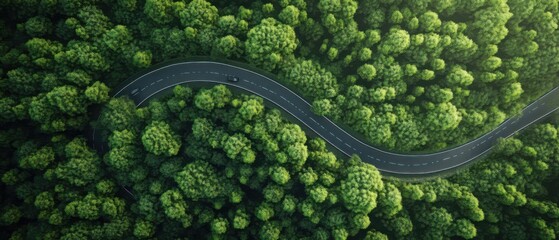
(490,137)
(265,88)
(534,108)
(461,153)
(455,156)
(313,120)
(283,98)
(542,104)
(446,158)
(151,84)
(272,92)
(160,80)
(246,80)
(483,141)
(143,89)
(347,144)
(339,139)
(331,134)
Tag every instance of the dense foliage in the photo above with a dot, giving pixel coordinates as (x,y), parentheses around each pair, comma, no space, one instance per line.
(407,75)
(239,170)
(412,75)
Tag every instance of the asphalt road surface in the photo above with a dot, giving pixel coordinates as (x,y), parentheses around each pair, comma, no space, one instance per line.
(168,76)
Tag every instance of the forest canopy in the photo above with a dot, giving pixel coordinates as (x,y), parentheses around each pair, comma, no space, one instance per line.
(432,74)
(208,163)
(220,174)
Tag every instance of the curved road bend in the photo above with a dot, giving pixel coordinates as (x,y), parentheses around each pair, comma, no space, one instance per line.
(168,76)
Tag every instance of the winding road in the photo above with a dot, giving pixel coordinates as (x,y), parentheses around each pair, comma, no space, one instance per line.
(165,77)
